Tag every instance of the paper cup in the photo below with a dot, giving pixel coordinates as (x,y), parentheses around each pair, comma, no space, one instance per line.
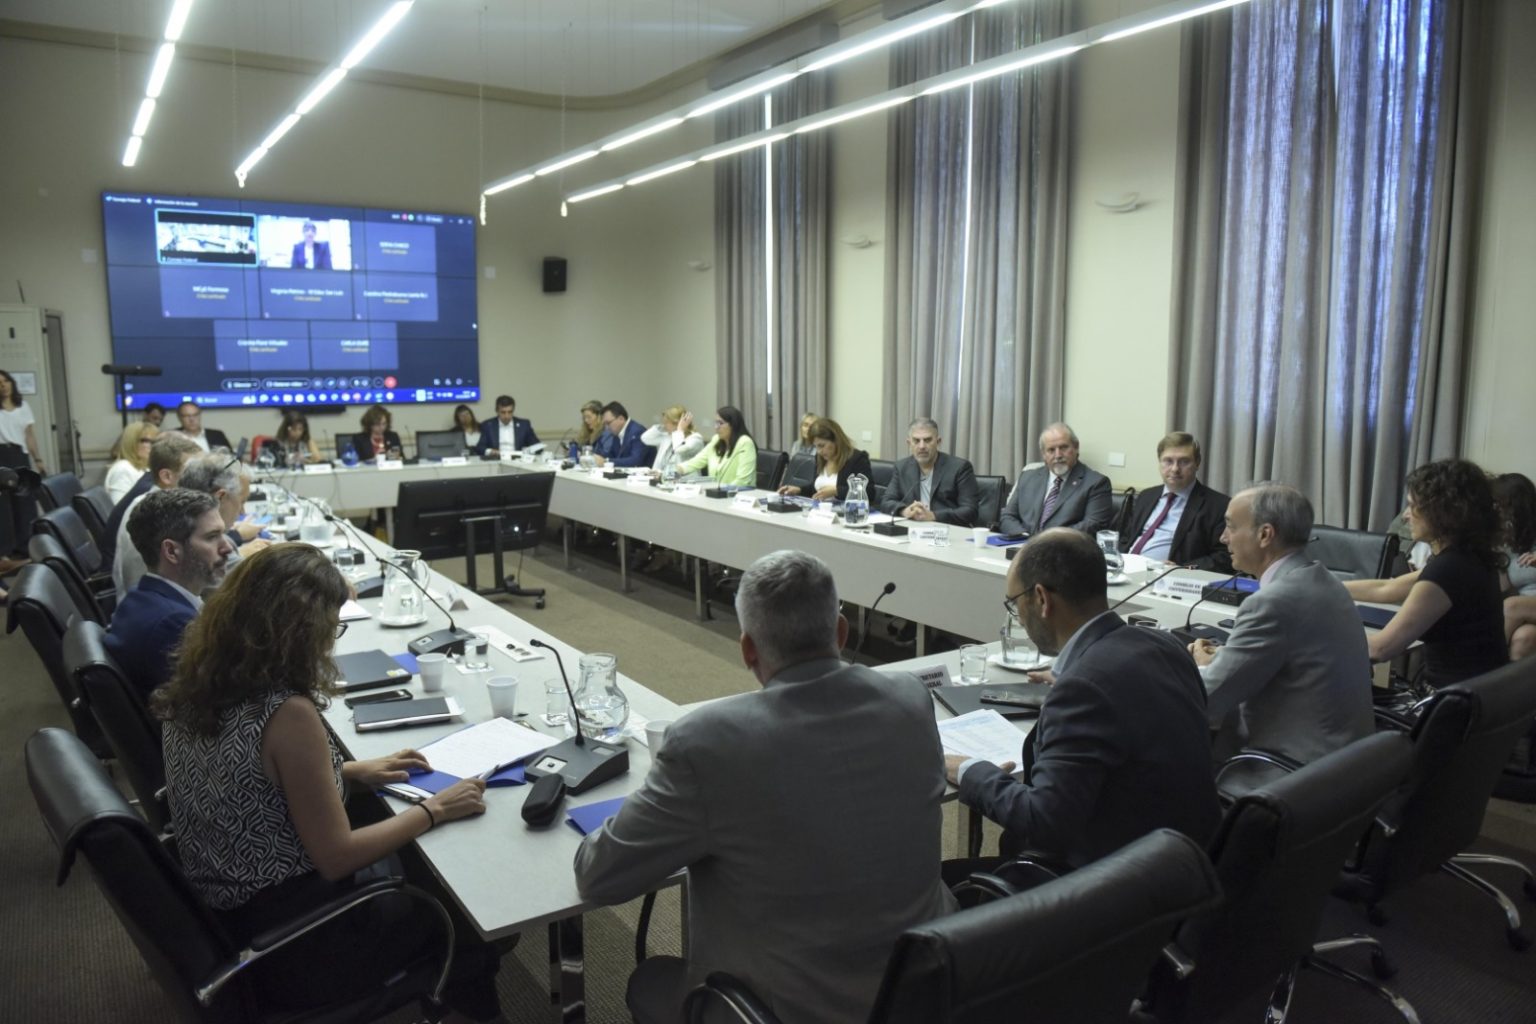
(655,733)
(431,667)
(503,693)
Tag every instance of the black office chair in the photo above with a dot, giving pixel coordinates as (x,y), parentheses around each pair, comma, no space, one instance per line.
(66,526)
(439,444)
(196,961)
(1354,554)
(881,473)
(990,491)
(801,472)
(1462,740)
(1122,521)
(45,549)
(770,468)
(94,507)
(125,721)
(41,606)
(1076,949)
(58,491)
(1278,853)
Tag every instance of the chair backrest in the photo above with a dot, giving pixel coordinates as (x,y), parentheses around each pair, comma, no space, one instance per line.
(770,468)
(801,472)
(1076,949)
(1461,742)
(1278,854)
(43,609)
(1127,509)
(881,472)
(85,814)
(119,710)
(989,500)
(256,443)
(94,507)
(1354,554)
(59,490)
(45,549)
(439,444)
(66,524)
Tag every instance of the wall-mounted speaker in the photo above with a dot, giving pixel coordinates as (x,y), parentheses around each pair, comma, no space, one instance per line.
(554,274)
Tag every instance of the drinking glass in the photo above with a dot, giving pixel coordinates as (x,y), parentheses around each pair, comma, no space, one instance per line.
(973,664)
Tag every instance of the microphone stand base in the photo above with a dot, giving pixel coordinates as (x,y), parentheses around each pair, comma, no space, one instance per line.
(441,641)
(583,766)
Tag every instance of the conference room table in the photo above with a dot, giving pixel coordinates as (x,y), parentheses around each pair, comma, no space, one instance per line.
(506,877)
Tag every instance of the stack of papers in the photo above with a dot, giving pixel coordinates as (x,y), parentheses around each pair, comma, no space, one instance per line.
(493,750)
(984,734)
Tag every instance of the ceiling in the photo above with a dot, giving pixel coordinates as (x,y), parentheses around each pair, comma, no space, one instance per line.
(578,48)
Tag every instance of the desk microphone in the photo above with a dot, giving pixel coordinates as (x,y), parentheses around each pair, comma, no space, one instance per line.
(889,588)
(1144,586)
(582,764)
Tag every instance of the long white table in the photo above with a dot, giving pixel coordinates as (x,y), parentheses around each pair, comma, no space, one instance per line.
(506,877)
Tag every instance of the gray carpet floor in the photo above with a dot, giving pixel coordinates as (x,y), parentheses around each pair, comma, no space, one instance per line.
(64,956)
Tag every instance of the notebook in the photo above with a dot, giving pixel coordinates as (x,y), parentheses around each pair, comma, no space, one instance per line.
(962,700)
(1373,617)
(392,714)
(364,669)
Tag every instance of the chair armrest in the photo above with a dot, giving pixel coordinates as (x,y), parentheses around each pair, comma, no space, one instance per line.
(274,939)
(1287,764)
(725,990)
(1393,720)
(1178,961)
(980,888)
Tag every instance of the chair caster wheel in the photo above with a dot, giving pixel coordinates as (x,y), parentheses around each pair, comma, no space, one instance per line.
(1381,966)
(1376,915)
(539,603)
(1519,940)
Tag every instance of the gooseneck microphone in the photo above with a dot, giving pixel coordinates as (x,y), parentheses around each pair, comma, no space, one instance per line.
(1144,586)
(889,588)
(575,717)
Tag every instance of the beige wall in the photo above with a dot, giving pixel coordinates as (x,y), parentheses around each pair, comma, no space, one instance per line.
(638,322)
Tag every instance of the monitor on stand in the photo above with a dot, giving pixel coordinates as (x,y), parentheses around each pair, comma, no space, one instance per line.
(449,518)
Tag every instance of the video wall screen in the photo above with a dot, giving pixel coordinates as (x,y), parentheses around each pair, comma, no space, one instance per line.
(245,303)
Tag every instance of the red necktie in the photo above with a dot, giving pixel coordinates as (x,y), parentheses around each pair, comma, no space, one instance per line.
(1141,541)
(1050,501)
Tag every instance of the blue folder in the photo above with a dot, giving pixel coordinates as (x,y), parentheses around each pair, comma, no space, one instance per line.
(587,818)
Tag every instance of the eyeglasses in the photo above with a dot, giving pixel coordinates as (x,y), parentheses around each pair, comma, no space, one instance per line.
(1011,606)
(341,629)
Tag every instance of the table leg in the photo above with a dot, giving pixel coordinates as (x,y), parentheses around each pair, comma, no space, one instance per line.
(567,981)
(973,829)
(565,537)
(700,606)
(922,639)
(389,524)
(624,564)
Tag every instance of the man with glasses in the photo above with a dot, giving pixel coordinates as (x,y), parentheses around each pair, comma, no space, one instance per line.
(179,535)
(229,482)
(930,486)
(1121,746)
(626,449)
(189,416)
(1183,520)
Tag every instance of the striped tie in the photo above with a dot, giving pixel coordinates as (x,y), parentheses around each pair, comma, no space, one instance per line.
(1050,502)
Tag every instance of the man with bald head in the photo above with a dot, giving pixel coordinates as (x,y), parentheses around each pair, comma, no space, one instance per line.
(1063,492)
(1121,747)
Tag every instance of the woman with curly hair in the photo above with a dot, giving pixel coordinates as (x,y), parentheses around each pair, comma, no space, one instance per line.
(1453,604)
(1516,498)
(256,783)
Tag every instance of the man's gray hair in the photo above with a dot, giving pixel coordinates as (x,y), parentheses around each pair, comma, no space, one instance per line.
(787,603)
(168,514)
(922,423)
(1058,425)
(212,473)
(1284,508)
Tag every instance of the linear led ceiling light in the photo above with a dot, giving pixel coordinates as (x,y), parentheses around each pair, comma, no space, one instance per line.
(330,80)
(157,74)
(1017,60)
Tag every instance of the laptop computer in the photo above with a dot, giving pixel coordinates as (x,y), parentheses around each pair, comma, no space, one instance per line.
(363,670)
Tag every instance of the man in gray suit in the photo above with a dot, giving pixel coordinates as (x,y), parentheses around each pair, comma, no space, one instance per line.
(1063,492)
(1294,677)
(929,485)
(806,814)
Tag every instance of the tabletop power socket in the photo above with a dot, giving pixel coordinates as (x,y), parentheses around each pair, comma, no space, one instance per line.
(890,529)
(1229,592)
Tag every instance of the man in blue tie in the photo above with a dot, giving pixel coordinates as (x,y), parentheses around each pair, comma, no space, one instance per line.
(628,449)
(180,535)
(1183,520)
(1061,492)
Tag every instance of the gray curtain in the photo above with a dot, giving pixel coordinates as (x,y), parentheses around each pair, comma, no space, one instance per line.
(975,279)
(1319,257)
(772,396)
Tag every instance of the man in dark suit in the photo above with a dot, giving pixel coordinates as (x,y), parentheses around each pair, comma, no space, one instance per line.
(1121,746)
(807,815)
(1183,520)
(505,428)
(180,535)
(189,416)
(310,254)
(1063,492)
(629,449)
(929,485)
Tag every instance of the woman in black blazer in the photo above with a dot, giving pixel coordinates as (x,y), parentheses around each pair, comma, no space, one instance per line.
(377,438)
(836,460)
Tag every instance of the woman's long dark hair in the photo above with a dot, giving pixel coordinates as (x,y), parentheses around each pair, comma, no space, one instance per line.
(16,400)
(738,424)
(269,627)
(458,424)
(290,417)
(1455,501)
(1516,497)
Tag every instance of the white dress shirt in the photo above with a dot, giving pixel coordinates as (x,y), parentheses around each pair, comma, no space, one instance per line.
(1161,541)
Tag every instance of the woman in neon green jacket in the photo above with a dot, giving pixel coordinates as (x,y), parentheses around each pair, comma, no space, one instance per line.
(732,458)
